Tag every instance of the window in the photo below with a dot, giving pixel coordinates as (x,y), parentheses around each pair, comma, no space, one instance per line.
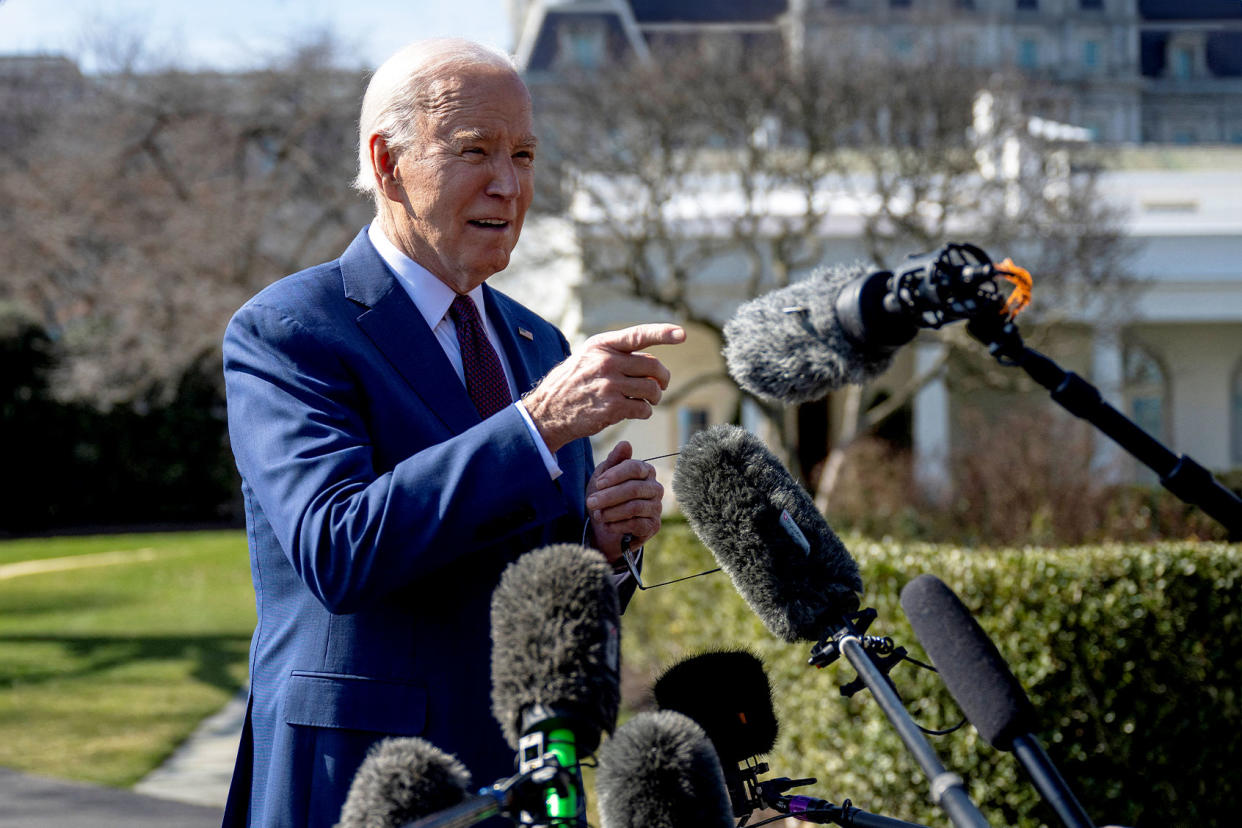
(1028,53)
(1146,390)
(1091,54)
(690,421)
(582,44)
(1236,415)
(1182,62)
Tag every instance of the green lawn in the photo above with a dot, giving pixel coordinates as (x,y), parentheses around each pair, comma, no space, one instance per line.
(1130,653)
(111,658)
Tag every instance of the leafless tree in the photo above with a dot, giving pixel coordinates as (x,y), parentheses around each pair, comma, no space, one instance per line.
(732,160)
(142,208)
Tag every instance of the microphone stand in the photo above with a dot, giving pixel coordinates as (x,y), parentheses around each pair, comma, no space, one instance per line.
(1181,475)
(1049,782)
(947,788)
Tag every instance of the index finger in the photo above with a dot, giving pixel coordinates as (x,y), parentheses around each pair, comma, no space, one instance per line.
(628,340)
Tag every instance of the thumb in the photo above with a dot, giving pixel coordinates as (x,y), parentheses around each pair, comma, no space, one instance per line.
(621,452)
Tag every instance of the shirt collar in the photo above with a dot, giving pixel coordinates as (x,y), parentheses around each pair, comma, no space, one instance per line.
(431,296)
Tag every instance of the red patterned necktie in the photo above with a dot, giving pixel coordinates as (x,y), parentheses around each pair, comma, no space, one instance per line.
(485,378)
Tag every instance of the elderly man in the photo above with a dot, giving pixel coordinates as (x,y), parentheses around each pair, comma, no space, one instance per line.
(404,432)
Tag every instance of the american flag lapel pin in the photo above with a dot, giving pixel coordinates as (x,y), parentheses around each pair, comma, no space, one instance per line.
(526,334)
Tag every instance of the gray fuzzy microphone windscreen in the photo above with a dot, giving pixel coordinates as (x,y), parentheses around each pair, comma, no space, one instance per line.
(659,771)
(765,532)
(401,780)
(556,642)
(794,356)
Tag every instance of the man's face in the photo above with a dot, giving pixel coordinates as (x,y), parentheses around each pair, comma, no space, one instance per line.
(468,181)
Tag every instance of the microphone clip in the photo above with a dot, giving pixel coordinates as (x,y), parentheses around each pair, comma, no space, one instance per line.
(771,791)
(952,283)
(883,654)
(882,651)
(522,798)
(828,650)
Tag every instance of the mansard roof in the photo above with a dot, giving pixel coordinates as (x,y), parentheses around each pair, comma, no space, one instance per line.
(697,11)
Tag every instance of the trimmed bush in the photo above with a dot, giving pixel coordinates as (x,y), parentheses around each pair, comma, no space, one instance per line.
(1130,654)
(160,460)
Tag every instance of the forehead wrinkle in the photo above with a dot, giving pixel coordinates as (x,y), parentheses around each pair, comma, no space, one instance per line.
(440,102)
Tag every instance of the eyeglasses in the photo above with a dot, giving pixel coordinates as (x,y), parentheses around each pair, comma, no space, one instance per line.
(631,557)
(632,565)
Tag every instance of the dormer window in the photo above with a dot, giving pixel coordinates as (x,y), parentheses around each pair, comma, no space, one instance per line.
(1028,53)
(1185,56)
(582,44)
(1091,54)
(1182,64)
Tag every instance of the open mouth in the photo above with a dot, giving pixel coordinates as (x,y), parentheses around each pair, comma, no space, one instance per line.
(490,224)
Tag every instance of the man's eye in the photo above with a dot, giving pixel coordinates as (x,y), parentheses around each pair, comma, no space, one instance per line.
(473,151)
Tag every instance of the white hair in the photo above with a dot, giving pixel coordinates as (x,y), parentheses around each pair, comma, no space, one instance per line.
(400,90)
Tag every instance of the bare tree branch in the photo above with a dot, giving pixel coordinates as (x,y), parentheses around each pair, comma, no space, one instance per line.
(716,183)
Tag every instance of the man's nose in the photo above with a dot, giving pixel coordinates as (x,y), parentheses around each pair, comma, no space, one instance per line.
(506,180)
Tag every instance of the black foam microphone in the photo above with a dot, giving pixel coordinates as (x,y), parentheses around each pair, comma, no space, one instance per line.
(842,326)
(403,779)
(556,652)
(659,770)
(765,532)
(984,687)
(728,694)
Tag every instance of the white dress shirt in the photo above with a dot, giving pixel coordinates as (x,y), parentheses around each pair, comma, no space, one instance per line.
(433,297)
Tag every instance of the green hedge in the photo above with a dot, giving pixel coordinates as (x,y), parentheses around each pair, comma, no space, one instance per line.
(160,460)
(1131,654)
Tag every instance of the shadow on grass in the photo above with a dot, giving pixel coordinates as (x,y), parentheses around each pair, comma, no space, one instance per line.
(92,656)
(26,605)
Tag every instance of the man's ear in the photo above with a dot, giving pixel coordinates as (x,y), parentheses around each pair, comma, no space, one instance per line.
(384,167)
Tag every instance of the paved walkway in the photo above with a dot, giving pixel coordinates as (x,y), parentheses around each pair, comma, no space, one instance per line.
(199,771)
(187,791)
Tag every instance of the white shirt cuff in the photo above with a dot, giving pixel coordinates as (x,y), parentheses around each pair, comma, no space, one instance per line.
(549,459)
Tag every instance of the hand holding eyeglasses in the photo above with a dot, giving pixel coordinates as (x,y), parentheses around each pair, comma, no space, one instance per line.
(611,514)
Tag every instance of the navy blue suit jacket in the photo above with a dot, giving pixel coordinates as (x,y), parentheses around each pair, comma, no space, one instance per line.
(380,511)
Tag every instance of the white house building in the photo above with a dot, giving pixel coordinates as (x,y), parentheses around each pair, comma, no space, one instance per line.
(1171,360)
(1158,81)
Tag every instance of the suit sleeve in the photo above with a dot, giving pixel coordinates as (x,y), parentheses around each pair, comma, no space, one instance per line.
(299,431)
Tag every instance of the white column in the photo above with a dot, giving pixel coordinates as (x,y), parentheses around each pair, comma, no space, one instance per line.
(931,425)
(1108,375)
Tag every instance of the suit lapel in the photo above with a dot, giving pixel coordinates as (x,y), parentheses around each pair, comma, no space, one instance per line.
(392,322)
(519,343)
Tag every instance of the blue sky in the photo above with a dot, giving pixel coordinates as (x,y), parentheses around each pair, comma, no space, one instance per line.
(230,34)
